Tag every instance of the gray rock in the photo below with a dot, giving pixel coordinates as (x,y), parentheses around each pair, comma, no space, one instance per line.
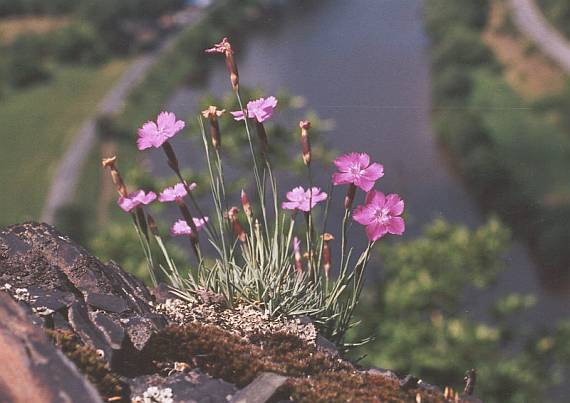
(107,307)
(190,387)
(110,303)
(33,370)
(261,389)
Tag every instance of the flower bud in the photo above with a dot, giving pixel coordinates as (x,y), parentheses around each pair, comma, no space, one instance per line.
(171,156)
(189,220)
(297,254)
(245,204)
(115,175)
(236,225)
(212,114)
(152,225)
(327,260)
(305,125)
(349,198)
(262,135)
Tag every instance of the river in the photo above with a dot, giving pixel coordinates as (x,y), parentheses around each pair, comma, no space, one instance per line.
(364,64)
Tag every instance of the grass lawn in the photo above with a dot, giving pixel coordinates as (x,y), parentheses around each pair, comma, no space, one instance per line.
(37,125)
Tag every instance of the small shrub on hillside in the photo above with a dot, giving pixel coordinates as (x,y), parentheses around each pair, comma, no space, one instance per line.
(78,44)
(24,63)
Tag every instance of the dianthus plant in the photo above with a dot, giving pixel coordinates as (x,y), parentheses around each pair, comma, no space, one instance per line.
(271,253)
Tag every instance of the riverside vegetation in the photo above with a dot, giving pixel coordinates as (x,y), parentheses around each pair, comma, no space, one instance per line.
(513,153)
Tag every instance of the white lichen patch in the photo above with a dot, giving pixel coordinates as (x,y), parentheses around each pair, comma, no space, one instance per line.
(155,395)
(243,321)
(42,311)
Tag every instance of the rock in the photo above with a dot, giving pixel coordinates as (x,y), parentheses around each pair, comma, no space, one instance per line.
(386,373)
(409,382)
(110,303)
(107,307)
(33,369)
(326,345)
(261,389)
(190,387)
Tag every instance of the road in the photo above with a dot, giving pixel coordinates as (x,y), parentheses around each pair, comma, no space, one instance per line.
(65,181)
(530,20)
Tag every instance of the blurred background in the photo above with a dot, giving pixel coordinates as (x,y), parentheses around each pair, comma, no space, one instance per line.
(464,102)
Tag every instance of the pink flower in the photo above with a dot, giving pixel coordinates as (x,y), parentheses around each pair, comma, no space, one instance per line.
(175,193)
(181,227)
(261,109)
(155,134)
(299,199)
(356,169)
(380,215)
(134,199)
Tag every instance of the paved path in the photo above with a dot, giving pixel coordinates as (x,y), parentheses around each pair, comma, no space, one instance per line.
(530,20)
(65,181)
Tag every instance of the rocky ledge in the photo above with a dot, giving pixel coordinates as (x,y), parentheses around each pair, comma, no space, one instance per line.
(75,329)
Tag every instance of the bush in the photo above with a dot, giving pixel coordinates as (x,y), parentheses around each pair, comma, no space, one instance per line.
(418,315)
(442,15)
(24,61)
(78,44)
(463,48)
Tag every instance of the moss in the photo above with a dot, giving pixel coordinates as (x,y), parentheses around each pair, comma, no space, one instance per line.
(91,365)
(314,375)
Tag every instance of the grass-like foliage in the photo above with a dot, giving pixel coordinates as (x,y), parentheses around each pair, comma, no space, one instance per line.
(272,255)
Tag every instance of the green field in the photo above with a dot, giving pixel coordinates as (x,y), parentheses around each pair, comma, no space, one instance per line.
(37,125)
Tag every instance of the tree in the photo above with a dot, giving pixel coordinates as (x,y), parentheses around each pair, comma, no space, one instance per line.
(78,43)
(418,316)
(24,61)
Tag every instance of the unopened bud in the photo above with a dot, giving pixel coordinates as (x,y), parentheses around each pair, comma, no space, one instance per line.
(305,125)
(236,225)
(418,398)
(262,135)
(327,259)
(297,255)
(189,220)
(152,225)
(212,114)
(171,157)
(111,163)
(349,198)
(245,204)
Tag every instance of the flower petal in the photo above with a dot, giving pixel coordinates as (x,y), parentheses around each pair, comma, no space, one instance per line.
(396,226)
(346,161)
(374,172)
(363,215)
(363,160)
(341,178)
(238,115)
(395,204)
(376,231)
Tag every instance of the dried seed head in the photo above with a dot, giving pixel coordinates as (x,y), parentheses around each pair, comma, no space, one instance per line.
(226,48)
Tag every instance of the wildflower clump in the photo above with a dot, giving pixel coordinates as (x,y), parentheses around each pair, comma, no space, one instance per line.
(265,257)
